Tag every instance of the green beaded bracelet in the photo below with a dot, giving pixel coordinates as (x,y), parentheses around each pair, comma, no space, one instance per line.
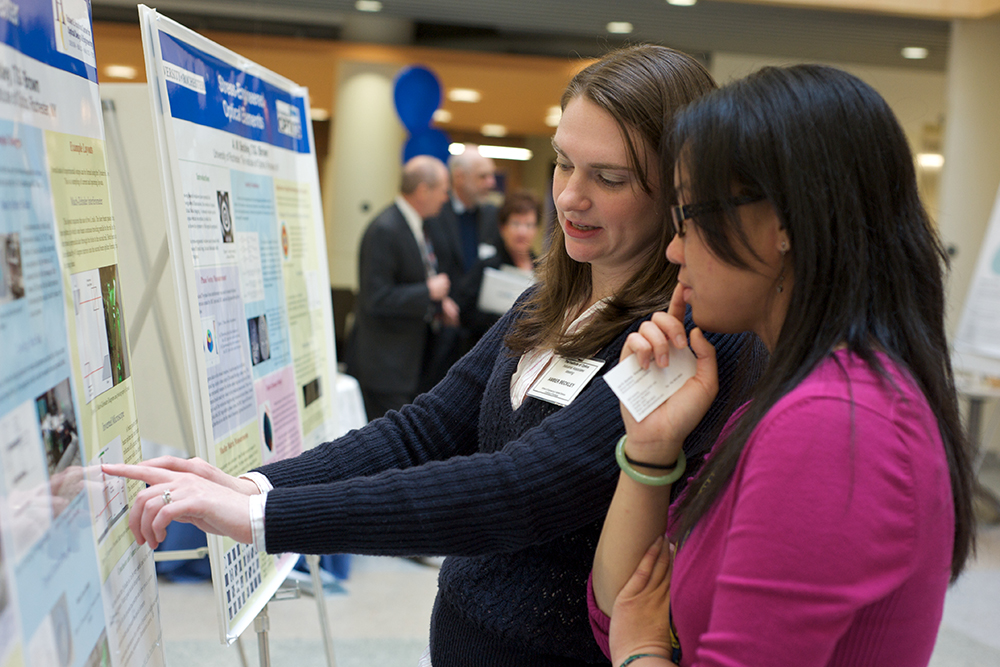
(632,658)
(642,478)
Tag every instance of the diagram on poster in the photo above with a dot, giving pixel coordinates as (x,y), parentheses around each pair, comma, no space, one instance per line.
(75,588)
(247,246)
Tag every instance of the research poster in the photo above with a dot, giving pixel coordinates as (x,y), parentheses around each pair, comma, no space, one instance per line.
(248,248)
(979,328)
(75,588)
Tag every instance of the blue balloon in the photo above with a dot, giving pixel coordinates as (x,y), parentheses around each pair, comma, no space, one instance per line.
(430,141)
(417,95)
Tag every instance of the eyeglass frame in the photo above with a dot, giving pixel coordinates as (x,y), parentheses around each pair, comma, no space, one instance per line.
(679,213)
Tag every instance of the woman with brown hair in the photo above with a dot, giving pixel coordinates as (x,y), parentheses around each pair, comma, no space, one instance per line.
(503,466)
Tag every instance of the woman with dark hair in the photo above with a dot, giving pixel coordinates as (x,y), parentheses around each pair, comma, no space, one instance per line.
(493,468)
(836,506)
(518,222)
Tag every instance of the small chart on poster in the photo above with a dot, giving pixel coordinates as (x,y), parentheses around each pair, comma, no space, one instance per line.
(247,246)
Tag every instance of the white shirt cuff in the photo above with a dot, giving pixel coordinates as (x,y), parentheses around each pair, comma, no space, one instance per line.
(263,485)
(257,521)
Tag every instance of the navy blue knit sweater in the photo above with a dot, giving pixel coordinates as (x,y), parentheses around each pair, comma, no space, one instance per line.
(516,498)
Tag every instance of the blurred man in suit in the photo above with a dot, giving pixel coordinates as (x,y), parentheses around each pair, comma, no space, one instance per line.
(470,214)
(403,297)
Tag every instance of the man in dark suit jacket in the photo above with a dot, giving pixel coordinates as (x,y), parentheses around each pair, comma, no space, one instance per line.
(470,216)
(403,296)
(470,221)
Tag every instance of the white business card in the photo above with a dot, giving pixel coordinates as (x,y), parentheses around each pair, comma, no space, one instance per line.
(642,390)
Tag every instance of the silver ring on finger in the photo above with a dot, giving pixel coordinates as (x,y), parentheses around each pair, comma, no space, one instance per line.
(166,497)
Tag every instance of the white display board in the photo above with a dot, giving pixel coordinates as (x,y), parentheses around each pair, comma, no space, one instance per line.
(977,343)
(247,246)
(75,588)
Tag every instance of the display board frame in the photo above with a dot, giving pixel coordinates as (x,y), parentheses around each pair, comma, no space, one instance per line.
(229,127)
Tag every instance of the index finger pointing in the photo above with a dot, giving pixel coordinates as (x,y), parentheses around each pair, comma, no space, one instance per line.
(145,474)
(677,305)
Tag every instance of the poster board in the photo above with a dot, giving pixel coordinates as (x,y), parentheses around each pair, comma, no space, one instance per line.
(155,340)
(247,246)
(75,588)
(977,344)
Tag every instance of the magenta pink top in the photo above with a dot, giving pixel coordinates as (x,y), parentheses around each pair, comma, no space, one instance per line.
(832,543)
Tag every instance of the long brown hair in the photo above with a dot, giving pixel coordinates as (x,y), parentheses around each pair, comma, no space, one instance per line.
(641,88)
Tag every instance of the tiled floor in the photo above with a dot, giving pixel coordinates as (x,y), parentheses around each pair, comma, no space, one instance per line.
(383,617)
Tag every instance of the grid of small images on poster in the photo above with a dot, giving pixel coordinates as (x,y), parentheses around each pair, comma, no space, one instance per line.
(247,245)
(75,588)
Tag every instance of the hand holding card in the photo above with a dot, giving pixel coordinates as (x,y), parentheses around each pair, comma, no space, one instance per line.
(642,390)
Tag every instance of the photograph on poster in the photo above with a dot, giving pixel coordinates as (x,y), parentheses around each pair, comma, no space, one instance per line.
(260,346)
(100,330)
(311,392)
(225,216)
(59,430)
(61,439)
(114,319)
(11,274)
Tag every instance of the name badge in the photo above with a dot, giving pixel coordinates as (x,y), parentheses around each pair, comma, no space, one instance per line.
(565,379)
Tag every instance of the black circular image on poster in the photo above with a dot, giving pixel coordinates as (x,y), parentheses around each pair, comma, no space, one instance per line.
(268,432)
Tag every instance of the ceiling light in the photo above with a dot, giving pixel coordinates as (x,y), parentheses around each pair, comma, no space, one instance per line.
(619,27)
(553,116)
(121,71)
(493,130)
(914,52)
(682,3)
(464,95)
(495,152)
(316,113)
(442,116)
(930,160)
(368,6)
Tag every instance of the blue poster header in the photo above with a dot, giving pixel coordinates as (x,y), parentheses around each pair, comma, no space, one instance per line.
(66,42)
(207,91)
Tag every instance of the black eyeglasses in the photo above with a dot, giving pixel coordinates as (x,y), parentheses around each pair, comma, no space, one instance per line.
(681,213)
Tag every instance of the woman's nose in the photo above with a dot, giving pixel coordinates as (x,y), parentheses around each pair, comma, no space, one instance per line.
(573,196)
(675,250)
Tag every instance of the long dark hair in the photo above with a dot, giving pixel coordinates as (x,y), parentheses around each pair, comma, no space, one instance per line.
(641,88)
(827,152)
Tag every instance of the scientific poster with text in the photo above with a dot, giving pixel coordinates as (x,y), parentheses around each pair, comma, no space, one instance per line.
(248,248)
(75,588)
(979,330)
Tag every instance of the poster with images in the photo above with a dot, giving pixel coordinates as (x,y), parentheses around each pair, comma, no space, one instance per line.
(75,589)
(247,244)
(979,328)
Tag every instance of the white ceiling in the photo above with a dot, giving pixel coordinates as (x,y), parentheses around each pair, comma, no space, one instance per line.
(577,27)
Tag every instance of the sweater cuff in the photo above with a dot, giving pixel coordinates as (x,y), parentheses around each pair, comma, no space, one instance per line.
(257,503)
(600,623)
(263,484)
